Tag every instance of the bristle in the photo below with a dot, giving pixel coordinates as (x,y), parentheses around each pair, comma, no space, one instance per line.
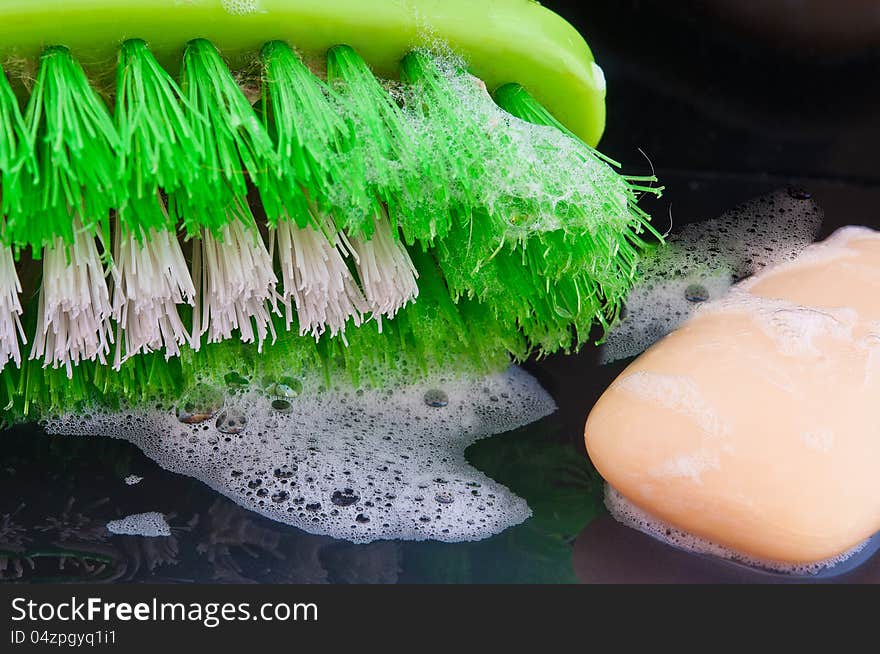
(237,282)
(385,271)
(317,280)
(158,149)
(16,153)
(315,146)
(151,280)
(73,320)
(76,146)
(160,155)
(617,195)
(11,331)
(406,172)
(235,143)
(551,218)
(453,133)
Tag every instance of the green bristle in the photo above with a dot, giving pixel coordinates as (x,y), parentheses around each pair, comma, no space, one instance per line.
(552,286)
(76,148)
(524,237)
(434,332)
(313,141)
(235,143)
(514,99)
(529,181)
(16,152)
(159,150)
(509,289)
(515,179)
(454,135)
(403,172)
(615,223)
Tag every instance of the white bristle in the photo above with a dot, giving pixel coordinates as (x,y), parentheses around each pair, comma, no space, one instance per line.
(237,284)
(73,319)
(151,279)
(387,274)
(316,278)
(10,311)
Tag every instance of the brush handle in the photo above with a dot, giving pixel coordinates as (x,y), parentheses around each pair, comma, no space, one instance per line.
(503,41)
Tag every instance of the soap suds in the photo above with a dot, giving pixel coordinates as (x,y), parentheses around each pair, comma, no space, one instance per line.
(703,260)
(820,439)
(676,393)
(151,525)
(682,395)
(629,514)
(355,464)
(131,480)
(794,328)
(691,466)
(832,249)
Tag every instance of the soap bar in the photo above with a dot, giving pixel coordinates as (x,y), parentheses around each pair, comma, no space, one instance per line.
(756,425)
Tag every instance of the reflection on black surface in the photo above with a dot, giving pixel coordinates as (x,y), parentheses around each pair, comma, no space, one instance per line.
(66,489)
(607,552)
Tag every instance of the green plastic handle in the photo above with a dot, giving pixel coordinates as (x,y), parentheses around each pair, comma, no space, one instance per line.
(503,41)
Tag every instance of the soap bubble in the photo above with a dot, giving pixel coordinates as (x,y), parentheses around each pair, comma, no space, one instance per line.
(701,261)
(231,421)
(436,398)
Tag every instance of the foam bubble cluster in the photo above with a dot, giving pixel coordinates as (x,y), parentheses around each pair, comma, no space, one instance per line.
(629,514)
(151,525)
(703,260)
(362,464)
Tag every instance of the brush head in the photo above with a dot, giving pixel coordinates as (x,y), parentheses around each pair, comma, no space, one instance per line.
(295,217)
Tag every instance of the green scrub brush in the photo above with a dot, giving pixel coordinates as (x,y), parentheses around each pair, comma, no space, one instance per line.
(239,191)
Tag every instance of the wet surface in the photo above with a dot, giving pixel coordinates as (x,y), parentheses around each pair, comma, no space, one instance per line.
(59,493)
(725,112)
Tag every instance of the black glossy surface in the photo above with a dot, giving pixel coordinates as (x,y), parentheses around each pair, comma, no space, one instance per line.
(724,112)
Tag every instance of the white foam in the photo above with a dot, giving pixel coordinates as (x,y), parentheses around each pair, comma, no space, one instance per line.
(151,524)
(393,461)
(133,480)
(709,257)
(677,393)
(683,395)
(820,439)
(794,328)
(629,514)
(521,163)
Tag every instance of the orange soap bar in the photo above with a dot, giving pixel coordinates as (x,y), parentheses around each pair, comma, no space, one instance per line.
(756,425)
